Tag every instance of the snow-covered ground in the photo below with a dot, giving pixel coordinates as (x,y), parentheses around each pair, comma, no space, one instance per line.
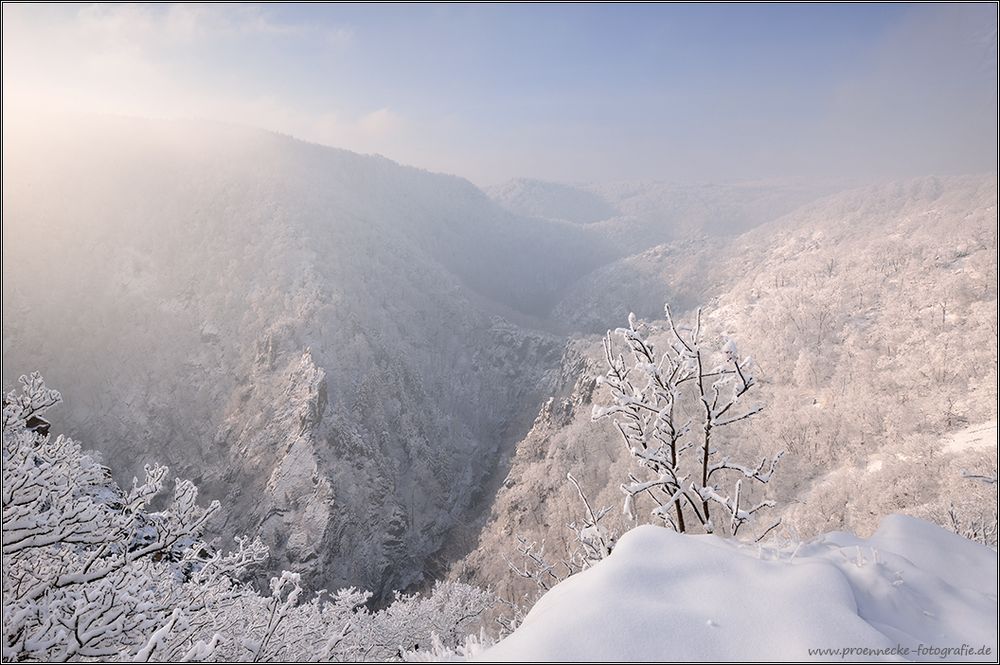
(663,596)
(974,437)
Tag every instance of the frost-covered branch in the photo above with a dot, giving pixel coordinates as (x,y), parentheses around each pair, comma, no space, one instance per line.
(595,541)
(667,406)
(535,567)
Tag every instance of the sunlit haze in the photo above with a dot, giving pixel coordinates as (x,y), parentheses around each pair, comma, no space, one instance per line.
(504,332)
(567,93)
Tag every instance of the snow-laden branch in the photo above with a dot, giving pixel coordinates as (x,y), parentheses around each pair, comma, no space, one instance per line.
(666,406)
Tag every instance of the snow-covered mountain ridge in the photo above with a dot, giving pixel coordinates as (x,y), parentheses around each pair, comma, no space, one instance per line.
(383,370)
(319,338)
(871,319)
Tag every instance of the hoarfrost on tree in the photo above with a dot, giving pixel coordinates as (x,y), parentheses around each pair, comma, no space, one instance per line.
(91,572)
(668,408)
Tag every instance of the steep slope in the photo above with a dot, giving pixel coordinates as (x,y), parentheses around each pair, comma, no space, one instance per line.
(348,350)
(316,334)
(871,318)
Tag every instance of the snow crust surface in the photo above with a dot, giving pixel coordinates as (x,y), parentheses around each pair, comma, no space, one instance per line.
(667,596)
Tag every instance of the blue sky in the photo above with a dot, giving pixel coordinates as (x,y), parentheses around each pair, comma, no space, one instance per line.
(563,92)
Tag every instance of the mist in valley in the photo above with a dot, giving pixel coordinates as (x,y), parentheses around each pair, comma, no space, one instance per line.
(388,284)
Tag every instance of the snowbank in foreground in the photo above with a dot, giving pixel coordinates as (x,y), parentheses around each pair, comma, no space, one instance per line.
(665,596)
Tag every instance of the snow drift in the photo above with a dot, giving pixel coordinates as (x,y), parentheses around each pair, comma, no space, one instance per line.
(911,591)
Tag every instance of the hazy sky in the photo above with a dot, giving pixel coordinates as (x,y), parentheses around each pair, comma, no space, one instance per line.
(587,92)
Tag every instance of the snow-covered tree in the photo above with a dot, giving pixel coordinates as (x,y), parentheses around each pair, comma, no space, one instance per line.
(594,541)
(668,408)
(976,519)
(591,543)
(415,622)
(86,568)
(92,572)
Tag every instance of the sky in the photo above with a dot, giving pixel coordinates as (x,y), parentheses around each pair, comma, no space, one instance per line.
(571,93)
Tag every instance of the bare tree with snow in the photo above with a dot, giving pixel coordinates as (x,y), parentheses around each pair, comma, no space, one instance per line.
(592,542)
(669,408)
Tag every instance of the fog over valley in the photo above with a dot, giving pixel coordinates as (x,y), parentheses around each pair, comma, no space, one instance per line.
(441,374)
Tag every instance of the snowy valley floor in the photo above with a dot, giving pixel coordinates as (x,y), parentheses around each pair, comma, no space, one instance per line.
(909,592)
